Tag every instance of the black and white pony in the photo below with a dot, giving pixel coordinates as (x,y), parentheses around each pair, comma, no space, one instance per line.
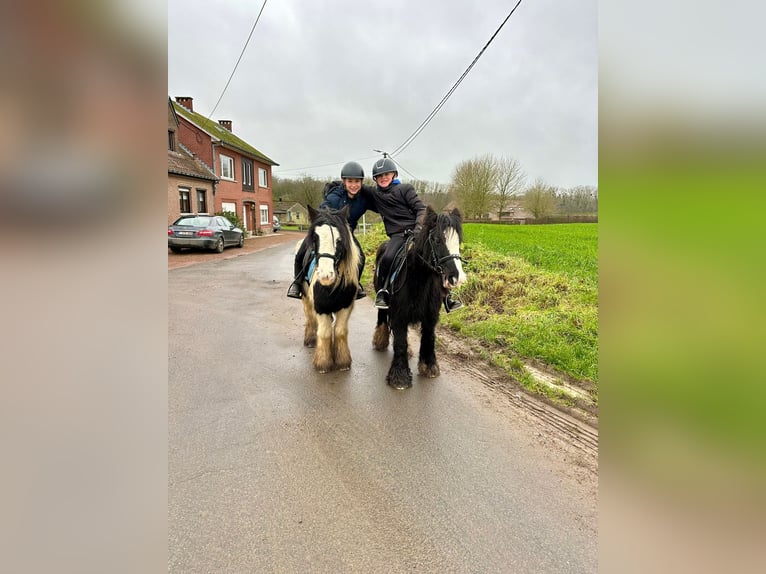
(330,288)
(431,268)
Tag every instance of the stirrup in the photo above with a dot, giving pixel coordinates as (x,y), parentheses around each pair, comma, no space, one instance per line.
(361,293)
(294,291)
(381,299)
(452,304)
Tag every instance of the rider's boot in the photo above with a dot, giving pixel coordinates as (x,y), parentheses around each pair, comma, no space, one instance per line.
(295,291)
(360,292)
(382,299)
(451,304)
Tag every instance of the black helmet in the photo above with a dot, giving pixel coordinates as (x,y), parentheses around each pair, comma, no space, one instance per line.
(352,170)
(384,166)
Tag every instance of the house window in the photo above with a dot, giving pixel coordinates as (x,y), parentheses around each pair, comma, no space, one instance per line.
(230,207)
(227,167)
(265,215)
(262,181)
(171,140)
(247,174)
(201,201)
(185,204)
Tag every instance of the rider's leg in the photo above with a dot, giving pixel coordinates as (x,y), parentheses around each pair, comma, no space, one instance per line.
(295,291)
(382,297)
(360,293)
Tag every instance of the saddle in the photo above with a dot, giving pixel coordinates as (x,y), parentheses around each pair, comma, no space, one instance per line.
(399,264)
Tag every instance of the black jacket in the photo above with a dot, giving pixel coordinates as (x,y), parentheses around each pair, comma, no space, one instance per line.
(398,205)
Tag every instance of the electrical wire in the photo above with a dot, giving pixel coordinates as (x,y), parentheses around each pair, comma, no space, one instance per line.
(321,165)
(210,115)
(430,116)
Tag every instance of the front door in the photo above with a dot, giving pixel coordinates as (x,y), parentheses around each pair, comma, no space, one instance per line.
(250,214)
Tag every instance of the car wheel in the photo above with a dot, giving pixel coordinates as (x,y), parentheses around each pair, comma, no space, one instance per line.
(219,245)
(175,249)
(241,241)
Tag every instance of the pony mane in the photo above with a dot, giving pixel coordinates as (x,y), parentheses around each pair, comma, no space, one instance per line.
(441,222)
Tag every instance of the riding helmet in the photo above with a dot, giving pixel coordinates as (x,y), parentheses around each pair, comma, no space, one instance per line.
(352,170)
(384,165)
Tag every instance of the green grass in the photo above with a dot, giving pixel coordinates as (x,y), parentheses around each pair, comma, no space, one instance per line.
(531,294)
(571,249)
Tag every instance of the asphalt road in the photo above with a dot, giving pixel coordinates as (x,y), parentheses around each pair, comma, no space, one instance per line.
(274,468)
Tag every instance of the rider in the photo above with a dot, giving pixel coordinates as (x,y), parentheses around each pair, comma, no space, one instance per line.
(402,211)
(342,193)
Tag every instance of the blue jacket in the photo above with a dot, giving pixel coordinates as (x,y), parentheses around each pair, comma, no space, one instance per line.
(337,198)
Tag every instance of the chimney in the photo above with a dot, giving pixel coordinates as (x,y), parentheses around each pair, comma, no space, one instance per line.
(186,102)
(225,123)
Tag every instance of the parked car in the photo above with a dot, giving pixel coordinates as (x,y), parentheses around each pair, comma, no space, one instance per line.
(203,232)
(276,226)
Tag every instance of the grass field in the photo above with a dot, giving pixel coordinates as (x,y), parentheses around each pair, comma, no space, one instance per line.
(571,249)
(531,296)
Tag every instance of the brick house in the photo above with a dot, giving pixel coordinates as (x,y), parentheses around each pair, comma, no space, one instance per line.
(191,184)
(244,173)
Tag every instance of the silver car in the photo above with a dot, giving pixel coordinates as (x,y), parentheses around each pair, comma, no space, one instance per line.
(213,232)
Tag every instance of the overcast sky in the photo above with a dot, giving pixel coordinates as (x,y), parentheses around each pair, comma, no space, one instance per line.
(325,82)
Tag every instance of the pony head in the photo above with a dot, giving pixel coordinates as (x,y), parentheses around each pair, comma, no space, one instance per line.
(446,237)
(331,239)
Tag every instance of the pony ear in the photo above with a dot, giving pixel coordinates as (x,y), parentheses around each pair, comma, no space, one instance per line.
(312,214)
(430,219)
(345,211)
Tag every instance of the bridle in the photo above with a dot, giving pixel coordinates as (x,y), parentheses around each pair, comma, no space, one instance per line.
(334,256)
(436,262)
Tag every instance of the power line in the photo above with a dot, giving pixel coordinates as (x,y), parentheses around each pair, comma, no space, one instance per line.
(430,116)
(321,165)
(210,115)
(399,165)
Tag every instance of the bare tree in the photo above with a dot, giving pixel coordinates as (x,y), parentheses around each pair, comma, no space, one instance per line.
(310,190)
(432,193)
(306,190)
(579,200)
(540,199)
(509,182)
(473,182)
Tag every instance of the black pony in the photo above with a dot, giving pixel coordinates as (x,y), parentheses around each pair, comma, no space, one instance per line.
(331,288)
(431,267)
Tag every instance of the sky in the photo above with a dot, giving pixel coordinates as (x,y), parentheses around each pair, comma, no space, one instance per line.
(323,83)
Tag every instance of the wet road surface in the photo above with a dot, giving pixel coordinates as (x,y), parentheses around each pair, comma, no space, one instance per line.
(274,468)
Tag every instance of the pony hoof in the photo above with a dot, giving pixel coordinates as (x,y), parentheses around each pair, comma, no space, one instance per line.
(381,337)
(429,371)
(399,384)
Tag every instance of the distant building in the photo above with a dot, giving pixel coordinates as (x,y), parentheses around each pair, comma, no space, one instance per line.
(291,213)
